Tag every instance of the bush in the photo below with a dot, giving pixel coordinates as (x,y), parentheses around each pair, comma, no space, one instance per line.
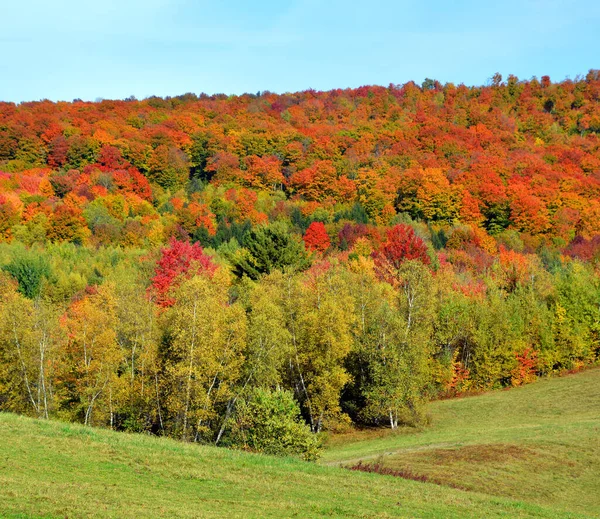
(269,422)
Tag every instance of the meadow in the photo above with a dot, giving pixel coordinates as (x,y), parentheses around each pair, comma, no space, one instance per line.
(527,452)
(539,443)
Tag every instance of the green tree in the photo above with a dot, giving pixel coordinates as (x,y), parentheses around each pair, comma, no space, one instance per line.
(399,348)
(30,270)
(267,248)
(268,343)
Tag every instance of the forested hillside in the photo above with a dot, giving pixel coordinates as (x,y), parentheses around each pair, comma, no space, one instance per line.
(244,270)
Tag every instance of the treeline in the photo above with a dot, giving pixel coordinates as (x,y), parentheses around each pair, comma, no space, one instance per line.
(257,346)
(514,155)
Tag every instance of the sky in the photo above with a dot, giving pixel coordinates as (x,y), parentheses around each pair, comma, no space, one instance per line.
(112,49)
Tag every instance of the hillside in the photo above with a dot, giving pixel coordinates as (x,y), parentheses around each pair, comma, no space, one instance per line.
(50,469)
(367,250)
(249,270)
(539,443)
(518,155)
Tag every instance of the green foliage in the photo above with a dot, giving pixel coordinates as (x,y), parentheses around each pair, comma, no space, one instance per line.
(33,231)
(30,271)
(356,213)
(199,154)
(269,421)
(268,248)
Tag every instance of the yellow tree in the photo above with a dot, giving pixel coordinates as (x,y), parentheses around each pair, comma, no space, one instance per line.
(28,339)
(269,341)
(204,358)
(137,390)
(91,358)
(319,316)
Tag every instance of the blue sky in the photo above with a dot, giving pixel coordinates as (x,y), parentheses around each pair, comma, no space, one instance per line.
(69,49)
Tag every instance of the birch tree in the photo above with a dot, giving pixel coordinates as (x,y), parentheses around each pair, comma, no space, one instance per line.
(28,344)
(205,354)
(91,358)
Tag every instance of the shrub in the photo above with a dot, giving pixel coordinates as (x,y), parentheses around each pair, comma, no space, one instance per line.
(269,422)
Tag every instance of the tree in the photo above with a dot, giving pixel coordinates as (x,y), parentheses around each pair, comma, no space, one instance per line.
(263,172)
(319,316)
(67,224)
(30,271)
(178,260)
(168,167)
(90,359)
(267,248)
(29,337)
(204,356)
(427,194)
(320,181)
(402,244)
(316,237)
(399,360)
(137,394)
(8,218)
(268,342)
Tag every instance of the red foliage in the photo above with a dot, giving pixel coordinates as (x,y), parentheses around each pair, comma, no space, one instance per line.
(111,158)
(402,244)
(316,237)
(586,250)
(527,363)
(519,155)
(57,155)
(352,232)
(179,258)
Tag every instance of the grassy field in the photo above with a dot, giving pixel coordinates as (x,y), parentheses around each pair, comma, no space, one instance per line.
(530,452)
(539,443)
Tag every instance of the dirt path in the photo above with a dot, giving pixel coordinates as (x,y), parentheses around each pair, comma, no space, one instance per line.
(353,461)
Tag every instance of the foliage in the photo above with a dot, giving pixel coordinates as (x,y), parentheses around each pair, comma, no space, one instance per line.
(267,248)
(365,250)
(269,422)
(30,271)
(178,259)
(316,237)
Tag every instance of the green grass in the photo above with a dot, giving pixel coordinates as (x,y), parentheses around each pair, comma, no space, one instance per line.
(539,444)
(57,470)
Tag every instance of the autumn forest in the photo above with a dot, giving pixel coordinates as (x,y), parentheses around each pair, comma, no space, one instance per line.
(250,271)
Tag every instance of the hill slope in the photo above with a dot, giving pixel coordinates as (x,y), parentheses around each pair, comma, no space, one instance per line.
(539,443)
(50,469)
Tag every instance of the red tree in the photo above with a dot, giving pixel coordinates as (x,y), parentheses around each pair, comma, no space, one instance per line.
(316,237)
(402,244)
(179,258)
